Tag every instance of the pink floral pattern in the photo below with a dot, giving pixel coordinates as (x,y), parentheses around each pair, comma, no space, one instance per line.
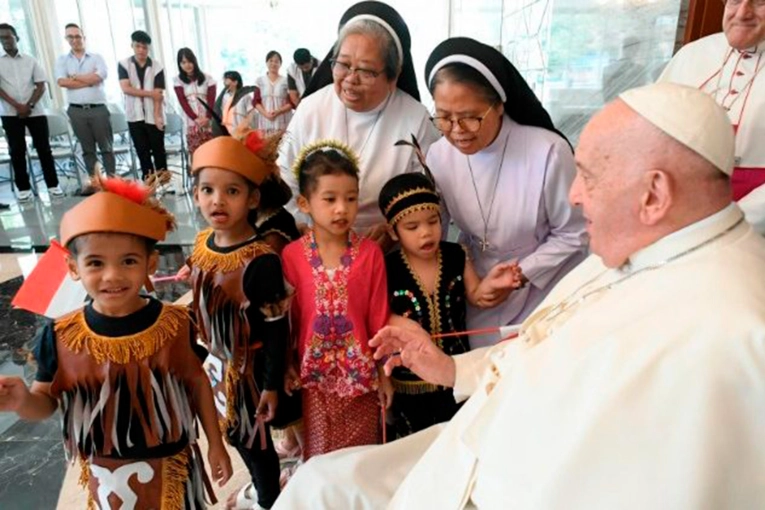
(333,360)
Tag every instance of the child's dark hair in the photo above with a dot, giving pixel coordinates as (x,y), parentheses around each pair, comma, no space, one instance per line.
(274,193)
(321,163)
(74,245)
(251,186)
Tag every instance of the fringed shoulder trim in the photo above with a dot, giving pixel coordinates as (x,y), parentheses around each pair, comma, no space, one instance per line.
(75,335)
(208,260)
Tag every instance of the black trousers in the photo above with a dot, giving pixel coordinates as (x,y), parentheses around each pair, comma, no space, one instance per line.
(413,413)
(264,468)
(38,128)
(149,142)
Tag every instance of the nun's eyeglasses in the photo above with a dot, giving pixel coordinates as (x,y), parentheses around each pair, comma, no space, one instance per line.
(341,70)
(469,124)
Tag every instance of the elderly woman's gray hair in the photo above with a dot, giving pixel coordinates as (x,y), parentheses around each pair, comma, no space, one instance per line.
(388,49)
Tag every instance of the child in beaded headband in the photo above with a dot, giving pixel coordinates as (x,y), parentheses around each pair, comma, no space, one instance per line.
(429,281)
(340,303)
(123,369)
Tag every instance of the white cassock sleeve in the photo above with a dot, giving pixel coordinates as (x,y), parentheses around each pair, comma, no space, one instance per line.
(567,234)
(470,369)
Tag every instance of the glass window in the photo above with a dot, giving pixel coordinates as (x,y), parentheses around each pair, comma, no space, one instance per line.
(579,54)
(20,18)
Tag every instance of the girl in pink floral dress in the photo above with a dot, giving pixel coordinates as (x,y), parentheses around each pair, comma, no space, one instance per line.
(340,303)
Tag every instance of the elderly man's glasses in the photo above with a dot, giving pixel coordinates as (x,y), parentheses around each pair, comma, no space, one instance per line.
(73,37)
(737,3)
(469,124)
(341,70)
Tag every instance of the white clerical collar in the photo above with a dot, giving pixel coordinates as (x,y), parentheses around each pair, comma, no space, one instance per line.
(685,238)
(757,49)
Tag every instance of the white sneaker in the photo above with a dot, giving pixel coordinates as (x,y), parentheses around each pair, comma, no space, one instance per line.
(56,192)
(24,196)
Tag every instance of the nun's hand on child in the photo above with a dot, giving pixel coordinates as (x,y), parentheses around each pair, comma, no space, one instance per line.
(410,346)
(267,405)
(291,380)
(220,463)
(13,393)
(385,390)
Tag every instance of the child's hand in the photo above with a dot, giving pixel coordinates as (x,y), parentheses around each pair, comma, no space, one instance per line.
(267,405)
(385,391)
(183,274)
(291,380)
(497,286)
(13,393)
(220,463)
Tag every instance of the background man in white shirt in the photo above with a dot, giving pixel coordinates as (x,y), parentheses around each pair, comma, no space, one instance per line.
(22,84)
(142,80)
(299,73)
(82,73)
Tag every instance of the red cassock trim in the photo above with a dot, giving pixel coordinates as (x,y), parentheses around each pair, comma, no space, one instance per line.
(745,179)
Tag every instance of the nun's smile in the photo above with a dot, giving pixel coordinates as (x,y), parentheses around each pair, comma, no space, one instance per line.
(359,78)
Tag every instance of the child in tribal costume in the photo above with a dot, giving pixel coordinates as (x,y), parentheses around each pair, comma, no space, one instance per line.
(240,302)
(429,281)
(123,369)
(340,303)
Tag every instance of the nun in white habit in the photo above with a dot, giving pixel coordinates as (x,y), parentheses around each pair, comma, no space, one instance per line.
(504,173)
(365,95)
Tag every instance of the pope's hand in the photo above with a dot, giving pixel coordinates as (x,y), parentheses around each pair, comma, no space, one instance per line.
(410,346)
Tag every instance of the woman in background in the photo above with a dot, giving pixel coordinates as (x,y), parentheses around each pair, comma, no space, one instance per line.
(232,106)
(274,105)
(190,86)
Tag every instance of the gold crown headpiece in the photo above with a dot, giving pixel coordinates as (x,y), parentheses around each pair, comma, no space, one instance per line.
(324,146)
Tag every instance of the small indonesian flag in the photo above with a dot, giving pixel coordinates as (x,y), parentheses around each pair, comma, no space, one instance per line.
(49,289)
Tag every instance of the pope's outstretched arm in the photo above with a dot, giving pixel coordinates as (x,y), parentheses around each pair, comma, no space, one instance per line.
(407,344)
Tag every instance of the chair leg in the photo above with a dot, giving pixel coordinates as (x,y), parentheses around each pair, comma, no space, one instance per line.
(133,168)
(76,169)
(31,173)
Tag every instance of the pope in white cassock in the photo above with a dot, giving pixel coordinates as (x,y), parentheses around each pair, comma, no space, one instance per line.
(728,66)
(638,383)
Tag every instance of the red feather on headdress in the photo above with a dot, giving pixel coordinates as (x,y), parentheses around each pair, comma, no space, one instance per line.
(254,142)
(132,190)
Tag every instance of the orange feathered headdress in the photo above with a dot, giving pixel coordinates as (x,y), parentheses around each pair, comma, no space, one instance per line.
(120,206)
(246,152)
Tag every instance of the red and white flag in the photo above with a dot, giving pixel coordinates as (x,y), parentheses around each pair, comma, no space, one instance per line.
(49,289)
